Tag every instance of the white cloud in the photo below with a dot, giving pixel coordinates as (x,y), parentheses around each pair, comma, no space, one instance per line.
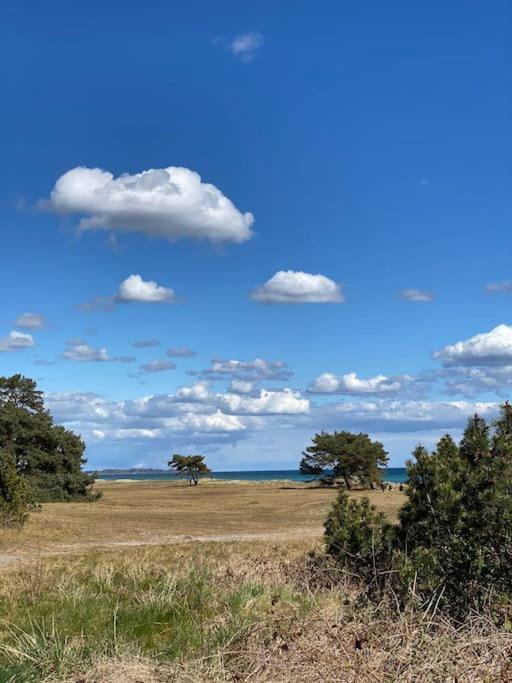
(244,45)
(238,386)
(492,348)
(158,366)
(15,341)
(80,351)
(416,295)
(284,402)
(329,383)
(172,202)
(195,393)
(288,287)
(30,321)
(216,422)
(180,352)
(505,286)
(134,288)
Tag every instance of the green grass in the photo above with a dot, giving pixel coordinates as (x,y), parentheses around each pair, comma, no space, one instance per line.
(219,612)
(57,620)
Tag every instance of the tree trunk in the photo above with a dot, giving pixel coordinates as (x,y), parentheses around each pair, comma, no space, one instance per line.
(347,482)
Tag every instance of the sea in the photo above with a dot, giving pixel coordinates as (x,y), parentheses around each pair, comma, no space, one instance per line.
(395,475)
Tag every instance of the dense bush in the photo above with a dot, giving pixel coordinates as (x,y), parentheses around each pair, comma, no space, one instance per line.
(453,542)
(358,536)
(48,457)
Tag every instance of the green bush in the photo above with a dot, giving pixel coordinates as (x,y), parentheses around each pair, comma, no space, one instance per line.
(359,537)
(453,544)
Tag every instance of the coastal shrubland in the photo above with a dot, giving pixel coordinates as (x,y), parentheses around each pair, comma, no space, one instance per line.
(452,544)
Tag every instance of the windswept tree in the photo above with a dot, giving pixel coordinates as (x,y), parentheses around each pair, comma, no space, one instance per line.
(49,457)
(191,467)
(343,457)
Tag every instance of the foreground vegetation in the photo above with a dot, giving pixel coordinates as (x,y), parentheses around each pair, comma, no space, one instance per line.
(452,545)
(226,612)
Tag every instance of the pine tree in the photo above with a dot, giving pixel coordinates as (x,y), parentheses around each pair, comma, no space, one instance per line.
(13,492)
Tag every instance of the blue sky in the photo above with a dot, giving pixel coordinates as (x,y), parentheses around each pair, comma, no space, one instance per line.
(367,143)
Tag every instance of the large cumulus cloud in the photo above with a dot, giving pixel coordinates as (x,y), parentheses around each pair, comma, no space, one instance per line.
(170,202)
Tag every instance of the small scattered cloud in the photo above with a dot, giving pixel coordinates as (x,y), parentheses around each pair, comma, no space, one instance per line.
(171,202)
(245,45)
(16,341)
(505,287)
(134,288)
(180,352)
(30,321)
(145,343)
(158,366)
(416,295)
(288,287)
(126,359)
(492,348)
(78,350)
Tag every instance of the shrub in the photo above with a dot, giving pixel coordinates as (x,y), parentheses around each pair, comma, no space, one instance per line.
(359,537)
(453,542)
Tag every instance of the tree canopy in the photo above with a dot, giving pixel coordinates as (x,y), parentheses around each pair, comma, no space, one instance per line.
(192,467)
(344,457)
(48,456)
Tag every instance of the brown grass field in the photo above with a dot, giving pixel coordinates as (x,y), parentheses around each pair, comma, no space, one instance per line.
(117,591)
(149,512)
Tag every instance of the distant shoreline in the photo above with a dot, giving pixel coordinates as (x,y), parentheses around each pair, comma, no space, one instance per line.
(393,475)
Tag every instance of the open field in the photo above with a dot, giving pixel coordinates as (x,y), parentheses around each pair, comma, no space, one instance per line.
(148,512)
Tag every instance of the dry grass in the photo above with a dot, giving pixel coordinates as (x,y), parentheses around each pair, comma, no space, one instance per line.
(158,512)
(182,612)
(265,615)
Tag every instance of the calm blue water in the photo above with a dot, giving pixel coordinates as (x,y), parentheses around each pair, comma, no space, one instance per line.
(393,474)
